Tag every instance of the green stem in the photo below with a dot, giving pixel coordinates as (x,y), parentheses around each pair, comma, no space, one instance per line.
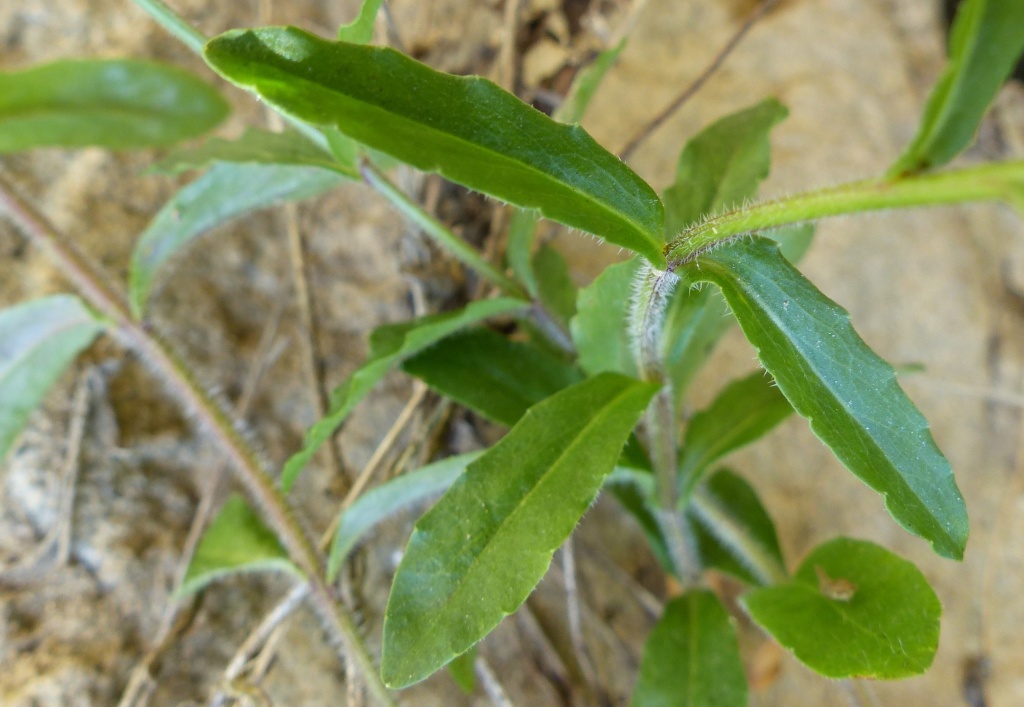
(1003,181)
(730,533)
(174,23)
(436,230)
(209,415)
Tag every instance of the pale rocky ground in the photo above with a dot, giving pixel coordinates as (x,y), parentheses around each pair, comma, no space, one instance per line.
(943,288)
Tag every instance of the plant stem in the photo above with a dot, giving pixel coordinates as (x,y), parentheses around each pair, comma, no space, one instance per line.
(207,413)
(987,182)
(173,23)
(436,230)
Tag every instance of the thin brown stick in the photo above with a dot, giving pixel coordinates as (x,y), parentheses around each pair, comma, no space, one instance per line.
(207,414)
(748,24)
(572,605)
(492,686)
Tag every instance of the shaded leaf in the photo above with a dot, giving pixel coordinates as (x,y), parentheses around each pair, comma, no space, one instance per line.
(599,328)
(522,231)
(491,375)
(746,410)
(554,285)
(236,541)
(257,147)
(463,671)
(734,532)
(481,550)
(390,499)
(794,241)
(585,85)
(849,395)
(883,624)
(227,191)
(360,30)
(389,345)
(692,657)
(986,39)
(722,166)
(695,321)
(467,129)
(38,341)
(114,103)
(634,490)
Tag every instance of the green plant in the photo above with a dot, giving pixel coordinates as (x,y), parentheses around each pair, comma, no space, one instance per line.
(593,385)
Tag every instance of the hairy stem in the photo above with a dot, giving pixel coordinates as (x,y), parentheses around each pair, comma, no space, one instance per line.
(451,243)
(1004,181)
(204,410)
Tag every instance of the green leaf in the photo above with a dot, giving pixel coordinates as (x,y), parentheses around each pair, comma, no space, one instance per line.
(986,39)
(498,378)
(360,30)
(38,341)
(256,147)
(390,499)
(585,85)
(522,231)
(692,657)
(227,191)
(236,541)
(463,671)
(481,550)
(849,394)
(634,490)
(114,103)
(467,129)
(853,609)
(389,345)
(734,532)
(599,328)
(794,241)
(744,412)
(554,285)
(722,166)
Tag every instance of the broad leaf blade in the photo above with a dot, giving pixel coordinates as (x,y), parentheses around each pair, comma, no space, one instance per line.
(853,609)
(38,341)
(114,103)
(481,550)
(986,39)
(555,287)
(256,147)
(734,532)
(236,541)
(599,328)
(390,499)
(745,411)
(491,375)
(467,129)
(849,394)
(227,191)
(692,657)
(389,345)
(722,166)
(360,30)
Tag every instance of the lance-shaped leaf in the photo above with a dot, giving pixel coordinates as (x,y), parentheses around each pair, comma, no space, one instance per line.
(722,166)
(986,39)
(388,500)
(114,103)
(389,345)
(257,147)
(463,671)
(38,340)
(467,129)
(692,657)
(236,541)
(491,375)
(853,610)
(848,394)
(476,556)
(227,191)
(555,287)
(734,532)
(599,328)
(745,411)
(522,231)
(360,30)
